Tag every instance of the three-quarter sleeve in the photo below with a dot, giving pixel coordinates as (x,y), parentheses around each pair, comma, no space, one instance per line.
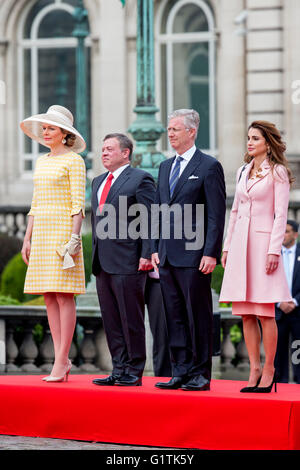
(281,204)
(33,204)
(77,177)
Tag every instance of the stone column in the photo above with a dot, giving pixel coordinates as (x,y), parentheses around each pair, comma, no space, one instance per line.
(3,110)
(231,106)
(291,86)
(265,61)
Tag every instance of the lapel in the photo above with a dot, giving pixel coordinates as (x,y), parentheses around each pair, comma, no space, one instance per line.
(189,169)
(97,185)
(166,176)
(297,263)
(244,177)
(266,168)
(117,185)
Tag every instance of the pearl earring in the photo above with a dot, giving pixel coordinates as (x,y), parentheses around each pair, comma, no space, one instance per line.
(64,141)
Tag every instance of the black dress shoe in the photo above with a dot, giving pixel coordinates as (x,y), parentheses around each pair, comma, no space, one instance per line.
(110,380)
(197,383)
(173,384)
(129,379)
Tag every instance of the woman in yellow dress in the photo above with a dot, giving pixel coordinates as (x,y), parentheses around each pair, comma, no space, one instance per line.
(52,244)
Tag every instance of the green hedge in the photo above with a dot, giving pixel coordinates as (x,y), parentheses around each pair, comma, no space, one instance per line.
(87,255)
(13,275)
(10,246)
(217,278)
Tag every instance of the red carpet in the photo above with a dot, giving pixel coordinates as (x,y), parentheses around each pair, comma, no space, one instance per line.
(220,419)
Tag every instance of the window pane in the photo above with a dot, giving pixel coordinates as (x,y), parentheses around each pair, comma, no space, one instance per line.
(57,74)
(199,92)
(28,165)
(189,19)
(56,24)
(191,84)
(168,8)
(57,81)
(32,14)
(27,95)
(73,3)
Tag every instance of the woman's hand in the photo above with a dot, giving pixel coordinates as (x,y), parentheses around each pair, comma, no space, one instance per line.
(224,258)
(25,252)
(272,263)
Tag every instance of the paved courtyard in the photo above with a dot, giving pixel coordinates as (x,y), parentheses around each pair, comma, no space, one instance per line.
(36,443)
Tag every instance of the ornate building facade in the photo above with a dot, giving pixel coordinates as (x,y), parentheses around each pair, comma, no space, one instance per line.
(232,60)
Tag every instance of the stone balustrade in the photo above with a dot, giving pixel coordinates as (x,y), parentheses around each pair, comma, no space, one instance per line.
(13,218)
(26,346)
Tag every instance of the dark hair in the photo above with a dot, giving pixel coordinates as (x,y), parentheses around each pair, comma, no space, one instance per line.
(124,141)
(293,224)
(277,147)
(70,138)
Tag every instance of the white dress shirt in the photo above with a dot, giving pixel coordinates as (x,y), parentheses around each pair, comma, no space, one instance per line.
(115,174)
(186,158)
(291,253)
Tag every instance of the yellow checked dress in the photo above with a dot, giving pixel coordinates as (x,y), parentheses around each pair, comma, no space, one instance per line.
(59,193)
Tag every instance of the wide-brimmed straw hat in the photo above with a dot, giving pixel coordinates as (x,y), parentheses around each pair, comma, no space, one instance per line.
(57,116)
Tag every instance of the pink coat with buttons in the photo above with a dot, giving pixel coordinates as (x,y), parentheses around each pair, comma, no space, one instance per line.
(256,228)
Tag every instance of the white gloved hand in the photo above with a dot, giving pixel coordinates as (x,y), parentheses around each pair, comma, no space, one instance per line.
(70,249)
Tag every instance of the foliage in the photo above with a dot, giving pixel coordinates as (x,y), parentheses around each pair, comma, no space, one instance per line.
(87,255)
(235,334)
(38,300)
(10,246)
(13,277)
(38,333)
(6,300)
(217,278)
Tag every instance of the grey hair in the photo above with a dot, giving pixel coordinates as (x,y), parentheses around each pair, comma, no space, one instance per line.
(191,117)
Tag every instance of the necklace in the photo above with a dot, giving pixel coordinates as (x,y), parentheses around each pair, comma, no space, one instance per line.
(256,174)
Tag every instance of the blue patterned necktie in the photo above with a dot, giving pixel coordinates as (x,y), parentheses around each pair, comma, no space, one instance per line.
(175,175)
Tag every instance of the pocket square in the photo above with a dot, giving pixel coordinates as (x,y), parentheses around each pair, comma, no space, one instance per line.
(193,177)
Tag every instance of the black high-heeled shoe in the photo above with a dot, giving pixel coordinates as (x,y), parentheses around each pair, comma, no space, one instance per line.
(267,389)
(250,389)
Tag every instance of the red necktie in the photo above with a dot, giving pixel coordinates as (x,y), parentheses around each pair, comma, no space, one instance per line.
(105,191)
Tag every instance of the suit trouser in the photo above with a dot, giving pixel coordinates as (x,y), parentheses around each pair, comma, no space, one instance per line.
(288,329)
(188,306)
(157,320)
(121,298)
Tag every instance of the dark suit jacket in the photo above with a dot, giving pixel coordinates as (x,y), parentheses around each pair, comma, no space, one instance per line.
(207,187)
(121,255)
(295,287)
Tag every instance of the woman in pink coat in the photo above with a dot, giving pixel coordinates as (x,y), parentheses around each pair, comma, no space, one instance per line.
(254,278)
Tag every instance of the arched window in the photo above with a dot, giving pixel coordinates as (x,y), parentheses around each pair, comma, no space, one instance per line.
(47,58)
(186,38)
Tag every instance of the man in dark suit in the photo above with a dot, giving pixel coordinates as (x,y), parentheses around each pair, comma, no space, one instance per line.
(192,182)
(288,313)
(121,257)
(157,321)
